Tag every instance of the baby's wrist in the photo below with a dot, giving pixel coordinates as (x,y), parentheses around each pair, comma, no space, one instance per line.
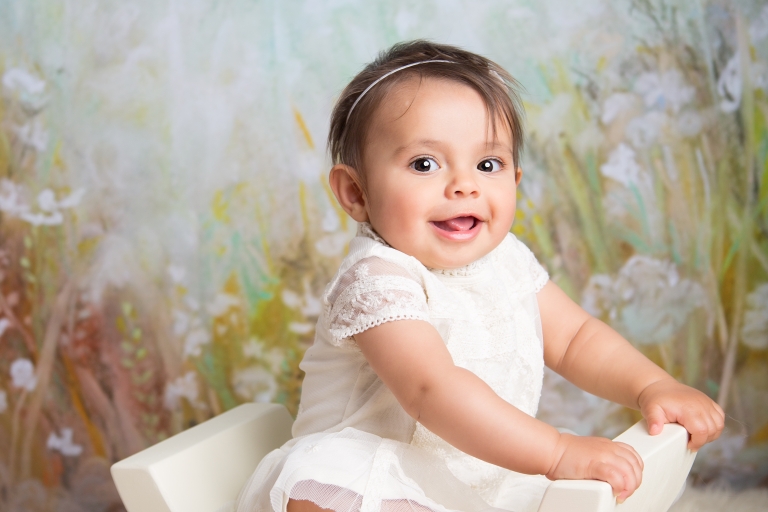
(557,453)
(650,388)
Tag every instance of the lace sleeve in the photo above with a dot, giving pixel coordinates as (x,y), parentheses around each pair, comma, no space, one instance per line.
(373,291)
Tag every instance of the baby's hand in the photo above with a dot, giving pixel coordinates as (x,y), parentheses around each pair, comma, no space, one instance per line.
(668,401)
(597,458)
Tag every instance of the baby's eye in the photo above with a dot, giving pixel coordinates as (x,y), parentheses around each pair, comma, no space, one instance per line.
(489,165)
(424,164)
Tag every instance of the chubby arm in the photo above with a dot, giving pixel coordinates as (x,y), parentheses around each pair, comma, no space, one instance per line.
(599,360)
(411,359)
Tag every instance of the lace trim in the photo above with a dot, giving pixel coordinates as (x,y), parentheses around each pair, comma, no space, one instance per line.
(344,337)
(373,300)
(467,270)
(365,229)
(540,281)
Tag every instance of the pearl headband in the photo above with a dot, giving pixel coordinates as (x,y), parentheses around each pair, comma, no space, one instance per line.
(386,75)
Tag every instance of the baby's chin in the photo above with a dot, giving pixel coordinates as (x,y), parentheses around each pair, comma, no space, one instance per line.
(454,261)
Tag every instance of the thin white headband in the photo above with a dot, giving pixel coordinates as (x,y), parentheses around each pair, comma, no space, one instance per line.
(386,75)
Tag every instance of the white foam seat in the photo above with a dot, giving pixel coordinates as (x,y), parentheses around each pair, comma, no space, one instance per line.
(202,469)
(667,462)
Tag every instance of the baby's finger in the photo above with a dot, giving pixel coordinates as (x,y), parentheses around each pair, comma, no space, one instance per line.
(656,418)
(635,461)
(634,472)
(610,474)
(718,422)
(699,431)
(719,411)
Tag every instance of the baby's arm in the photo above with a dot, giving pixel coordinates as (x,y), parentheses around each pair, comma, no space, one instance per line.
(412,360)
(596,358)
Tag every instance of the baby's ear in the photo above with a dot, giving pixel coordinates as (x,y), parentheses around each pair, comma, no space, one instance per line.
(346,187)
(518,175)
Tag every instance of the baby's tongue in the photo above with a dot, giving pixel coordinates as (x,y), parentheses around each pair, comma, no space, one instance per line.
(456,224)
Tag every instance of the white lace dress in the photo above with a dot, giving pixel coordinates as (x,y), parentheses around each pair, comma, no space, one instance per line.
(354,448)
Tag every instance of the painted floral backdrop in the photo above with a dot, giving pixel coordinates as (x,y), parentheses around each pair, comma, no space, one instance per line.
(166,228)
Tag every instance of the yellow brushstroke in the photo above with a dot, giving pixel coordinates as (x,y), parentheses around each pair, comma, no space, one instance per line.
(97,440)
(602,63)
(58,161)
(303,202)
(220,207)
(303,127)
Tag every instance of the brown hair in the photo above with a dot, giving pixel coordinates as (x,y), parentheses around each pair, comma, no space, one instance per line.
(497,88)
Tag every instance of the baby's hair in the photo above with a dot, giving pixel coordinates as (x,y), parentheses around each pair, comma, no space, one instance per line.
(352,114)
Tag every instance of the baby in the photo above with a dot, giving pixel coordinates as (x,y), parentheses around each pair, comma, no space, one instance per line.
(422,384)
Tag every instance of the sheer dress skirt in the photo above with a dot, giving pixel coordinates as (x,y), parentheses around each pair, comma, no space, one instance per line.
(355,471)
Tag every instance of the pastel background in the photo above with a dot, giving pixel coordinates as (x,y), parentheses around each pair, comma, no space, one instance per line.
(166,228)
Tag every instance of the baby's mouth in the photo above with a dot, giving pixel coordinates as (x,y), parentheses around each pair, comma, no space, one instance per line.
(456,224)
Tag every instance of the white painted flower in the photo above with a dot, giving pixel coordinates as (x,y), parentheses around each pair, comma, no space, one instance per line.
(23,374)
(33,134)
(301,327)
(647,301)
(195,340)
(72,199)
(758,29)
(253,348)
(566,406)
(255,383)
(221,303)
(177,273)
(598,296)
(308,304)
(760,75)
(47,202)
(181,322)
(547,125)
(330,221)
(291,299)
(17,79)
(42,219)
(116,265)
(181,387)
(664,90)
(273,357)
(754,331)
(4,325)
(3,401)
(11,201)
(64,443)
(689,123)
(622,166)
(615,104)
(729,85)
(192,304)
(644,131)
(50,214)
(332,245)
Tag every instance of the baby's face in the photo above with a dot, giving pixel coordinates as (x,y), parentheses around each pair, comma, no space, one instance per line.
(439,187)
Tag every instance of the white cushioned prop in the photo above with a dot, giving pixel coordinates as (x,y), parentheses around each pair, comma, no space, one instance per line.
(667,462)
(202,469)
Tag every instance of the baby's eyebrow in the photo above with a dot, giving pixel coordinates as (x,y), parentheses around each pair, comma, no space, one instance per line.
(436,143)
(418,143)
